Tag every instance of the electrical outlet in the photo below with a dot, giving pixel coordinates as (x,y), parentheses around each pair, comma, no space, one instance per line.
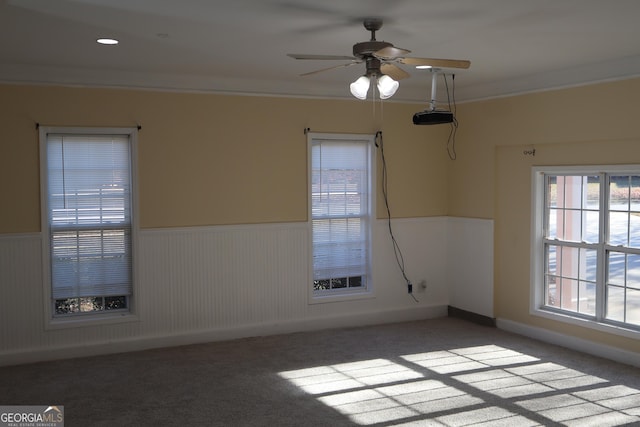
(422,286)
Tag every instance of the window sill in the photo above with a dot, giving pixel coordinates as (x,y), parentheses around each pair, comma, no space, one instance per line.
(90,320)
(340,297)
(587,323)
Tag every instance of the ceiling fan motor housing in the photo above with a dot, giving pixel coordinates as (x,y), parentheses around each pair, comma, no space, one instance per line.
(363,50)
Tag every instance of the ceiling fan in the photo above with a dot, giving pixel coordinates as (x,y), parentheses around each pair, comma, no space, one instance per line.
(380,58)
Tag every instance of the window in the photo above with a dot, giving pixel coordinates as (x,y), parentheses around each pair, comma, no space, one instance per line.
(586,260)
(341,203)
(88,227)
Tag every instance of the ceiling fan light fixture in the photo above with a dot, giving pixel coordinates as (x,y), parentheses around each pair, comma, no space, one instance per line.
(380,58)
(360,87)
(387,86)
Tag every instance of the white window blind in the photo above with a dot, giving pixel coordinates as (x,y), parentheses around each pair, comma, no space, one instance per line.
(89,214)
(340,212)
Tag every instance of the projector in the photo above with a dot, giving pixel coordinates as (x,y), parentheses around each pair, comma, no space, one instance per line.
(432,117)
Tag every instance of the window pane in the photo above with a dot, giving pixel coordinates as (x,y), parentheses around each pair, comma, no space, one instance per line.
(67,305)
(588,264)
(616,268)
(552,295)
(634,193)
(633,271)
(592,200)
(568,294)
(355,282)
(619,193)
(587,298)
(322,284)
(553,266)
(552,191)
(570,262)
(618,228)
(623,305)
(115,303)
(572,226)
(551,276)
(553,217)
(634,230)
(633,306)
(615,303)
(591,223)
(339,283)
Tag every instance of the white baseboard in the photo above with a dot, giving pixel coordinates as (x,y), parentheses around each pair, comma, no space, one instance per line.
(568,341)
(222,334)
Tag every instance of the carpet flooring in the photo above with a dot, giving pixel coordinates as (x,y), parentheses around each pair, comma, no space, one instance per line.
(437,372)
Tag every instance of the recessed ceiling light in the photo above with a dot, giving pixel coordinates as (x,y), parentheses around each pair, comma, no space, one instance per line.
(107,41)
(423,67)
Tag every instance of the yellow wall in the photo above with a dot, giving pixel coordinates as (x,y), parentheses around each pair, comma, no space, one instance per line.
(596,124)
(214,159)
(209,159)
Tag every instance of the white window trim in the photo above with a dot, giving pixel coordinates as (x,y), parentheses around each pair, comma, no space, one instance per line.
(90,319)
(352,293)
(536,297)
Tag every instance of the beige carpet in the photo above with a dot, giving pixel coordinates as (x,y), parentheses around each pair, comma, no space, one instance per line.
(440,372)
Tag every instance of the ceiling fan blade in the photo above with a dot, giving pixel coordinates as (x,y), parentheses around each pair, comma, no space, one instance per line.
(330,68)
(391,52)
(325,57)
(433,62)
(394,71)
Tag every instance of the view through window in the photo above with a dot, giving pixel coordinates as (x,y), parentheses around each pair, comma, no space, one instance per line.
(591,244)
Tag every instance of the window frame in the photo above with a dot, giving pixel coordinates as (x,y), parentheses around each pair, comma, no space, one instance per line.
(345,294)
(537,257)
(99,317)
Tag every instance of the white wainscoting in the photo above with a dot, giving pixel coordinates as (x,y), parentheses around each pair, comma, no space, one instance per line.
(210,283)
(470,265)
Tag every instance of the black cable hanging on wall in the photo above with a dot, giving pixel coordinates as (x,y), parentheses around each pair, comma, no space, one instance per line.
(385,193)
(451,140)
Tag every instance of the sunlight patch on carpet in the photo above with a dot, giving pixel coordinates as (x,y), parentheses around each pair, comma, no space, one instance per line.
(345,376)
(474,386)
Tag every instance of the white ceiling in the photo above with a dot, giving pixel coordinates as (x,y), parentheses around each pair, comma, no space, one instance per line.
(240,46)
